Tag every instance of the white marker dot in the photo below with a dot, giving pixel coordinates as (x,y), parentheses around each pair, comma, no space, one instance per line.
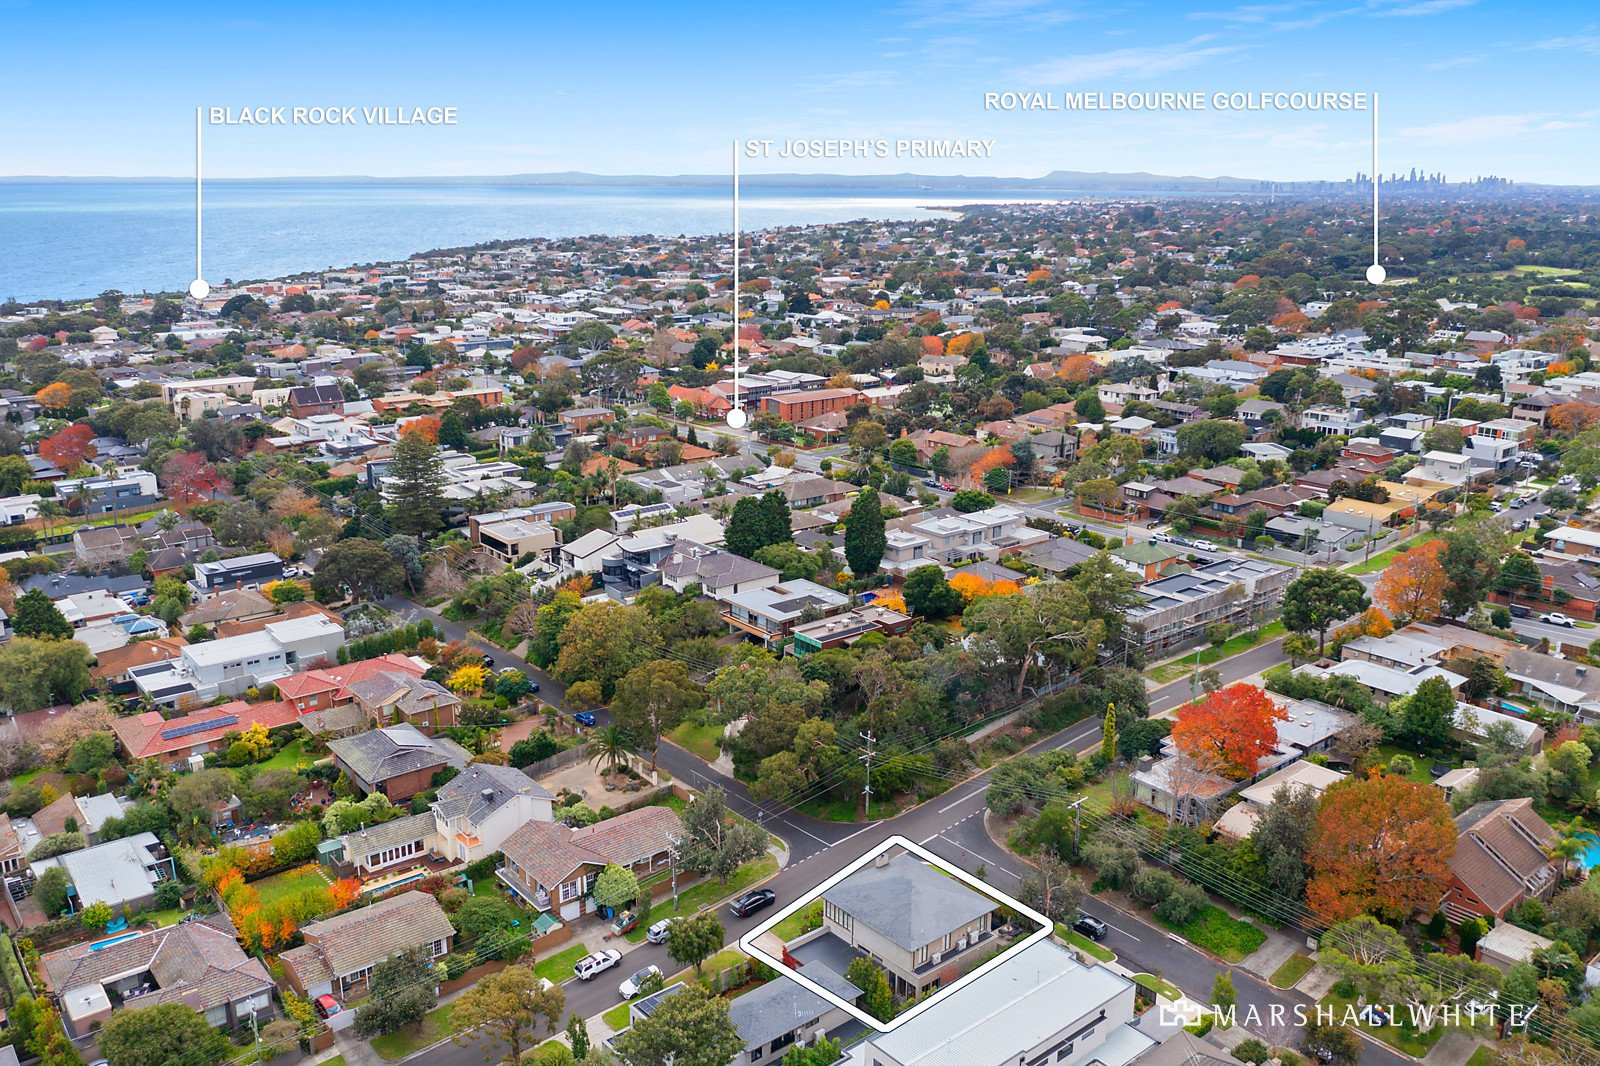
(199,288)
(737,418)
(1376,274)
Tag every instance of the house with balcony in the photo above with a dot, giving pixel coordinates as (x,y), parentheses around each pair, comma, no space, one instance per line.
(514,538)
(915,922)
(339,953)
(552,867)
(1333,421)
(120,873)
(230,665)
(770,614)
(845,629)
(1502,858)
(1177,608)
(953,537)
(104,493)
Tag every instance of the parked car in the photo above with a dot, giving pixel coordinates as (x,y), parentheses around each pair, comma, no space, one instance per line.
(488,660)
(1091,927)
(632,985)
(1556,618)
(1519,611)
(660,932)
(585,718)
(599,962)
(751,902)
(327,1006)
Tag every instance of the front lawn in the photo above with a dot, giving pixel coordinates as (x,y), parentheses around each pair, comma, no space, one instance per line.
(558,967)
(1083,943)
(412,1038)
(1384,558)
(1484,1056)
(1294,968)
(289,883)
(616,1017)
(1150,982)
(1218,932)
(703,741)
(800,922)
(1235,644)
(1404,1039)
(707,893)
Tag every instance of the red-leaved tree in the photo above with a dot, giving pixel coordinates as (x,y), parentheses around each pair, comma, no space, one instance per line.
(188,478)
(1381,845)
(1228,732)
(70,448)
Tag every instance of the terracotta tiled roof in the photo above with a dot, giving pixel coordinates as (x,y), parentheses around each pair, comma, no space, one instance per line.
(118,661)
(140,735)
(338,679)
(549,852)
(357,939)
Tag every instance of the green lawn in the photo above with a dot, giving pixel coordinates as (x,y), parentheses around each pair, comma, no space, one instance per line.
(163,918)
(558,967)
(292,757)
(1484,1056)
(1155,984)
(1423,772)
(25,777)
(616,1017)
(1384,558)
(800,922)
(1289,974)
(486,886)
(1215,653)
(1083,943)
(1220,933)
(703,741)
(846,809)
(726,959)
(1399,1037)
(337,1060)
(707,893)
(289,883)
(434,1028)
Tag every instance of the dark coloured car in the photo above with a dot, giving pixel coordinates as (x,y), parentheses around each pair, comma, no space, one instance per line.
(488,660)
(750,902)
(1091,927)
(585,718)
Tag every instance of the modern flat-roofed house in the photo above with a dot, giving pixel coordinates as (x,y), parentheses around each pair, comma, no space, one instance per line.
(397,760)
(104,493)
(231,665)
(552,867)
(122,872)
(339,953)
(513,538)
(910,919)
(770,614)
(1502,858)
(847,628)
(240,572)
(1039,1006)
(197,963)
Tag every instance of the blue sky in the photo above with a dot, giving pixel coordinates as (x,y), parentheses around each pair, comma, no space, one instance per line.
(1491,86)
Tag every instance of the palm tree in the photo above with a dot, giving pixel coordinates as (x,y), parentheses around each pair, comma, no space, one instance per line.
(1573,842)
(610,745)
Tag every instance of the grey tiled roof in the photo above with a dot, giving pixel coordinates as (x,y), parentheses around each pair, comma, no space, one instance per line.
(781,1006)
(199,962)
(483,788)
(907,901)
(357,939)
(379,754)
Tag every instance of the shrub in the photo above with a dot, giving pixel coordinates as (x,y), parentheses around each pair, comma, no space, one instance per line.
(1252,1050)
(1152,885)
(1182,904)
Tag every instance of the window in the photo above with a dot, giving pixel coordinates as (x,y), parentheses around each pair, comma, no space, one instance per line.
(1064,1053)
(570,891)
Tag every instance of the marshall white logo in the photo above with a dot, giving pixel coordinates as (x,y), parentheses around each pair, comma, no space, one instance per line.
(1421,1017)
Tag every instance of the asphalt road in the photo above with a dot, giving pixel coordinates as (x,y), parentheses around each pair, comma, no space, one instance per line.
(951,825)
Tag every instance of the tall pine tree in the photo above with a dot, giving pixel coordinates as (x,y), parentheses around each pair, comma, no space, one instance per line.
(416,491)
(864,537)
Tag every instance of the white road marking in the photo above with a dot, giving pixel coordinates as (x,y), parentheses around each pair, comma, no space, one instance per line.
(963,799)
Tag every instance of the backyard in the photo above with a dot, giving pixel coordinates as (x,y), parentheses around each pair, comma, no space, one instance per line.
(289,883)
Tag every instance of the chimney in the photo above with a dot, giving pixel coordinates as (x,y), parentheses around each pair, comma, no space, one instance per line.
(881,859)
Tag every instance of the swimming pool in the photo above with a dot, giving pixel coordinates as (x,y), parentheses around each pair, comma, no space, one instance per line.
(1589,857)
(98,944)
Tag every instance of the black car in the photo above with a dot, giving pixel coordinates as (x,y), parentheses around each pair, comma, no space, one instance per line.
(488,660)
(1093,928)
(751,902)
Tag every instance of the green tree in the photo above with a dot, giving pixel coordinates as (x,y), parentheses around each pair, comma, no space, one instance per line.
(653,698)
(745,534)
(695,939)
(609,747)
(416,487)
(969,500)
(1428,714)
(822,1052)
(38,673)
(481,915)
(364,566)
(91,753)
(928,594)
(160,1035)
(714,842)
(1473,548)
(877,998)
(602,642)
(1332,1044)
(1108,734)
(1223,995)
(1213,440)
(50,891)
(1318,598)
(37,616)
(96,916)
(615,887)
(864,538)
(404,989)
(1567,771)
(578,1037)
(791,561)
(691,1027)
(452,433)
(511,1008)
(1298,646)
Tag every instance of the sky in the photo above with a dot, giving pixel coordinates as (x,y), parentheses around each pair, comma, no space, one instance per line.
(1467,87)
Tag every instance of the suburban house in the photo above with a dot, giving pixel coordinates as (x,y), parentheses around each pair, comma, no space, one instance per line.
(841,630)
(774,1016)
(339,953)
(122,873)
(513,538)
(108,492)
(1239,821)
(240,572)
(231,665)
(197,963)
(394,697)
(770,613)
(308,400)
(397,760)
(1502,858)
(717,572)
(917,923)
(471,817)
(177,742)
(329,686)
(1040,1005)
(552,867)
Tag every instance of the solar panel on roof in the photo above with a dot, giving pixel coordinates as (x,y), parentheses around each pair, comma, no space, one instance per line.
(198,727)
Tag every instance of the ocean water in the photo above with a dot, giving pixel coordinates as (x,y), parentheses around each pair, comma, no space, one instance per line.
(67,240)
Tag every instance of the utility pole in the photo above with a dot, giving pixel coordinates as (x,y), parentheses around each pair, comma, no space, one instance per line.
(866,757)
(1077,823)
(672,854)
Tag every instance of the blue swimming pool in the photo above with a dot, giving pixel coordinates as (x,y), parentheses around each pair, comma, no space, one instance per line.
(1589,857)
(98,944)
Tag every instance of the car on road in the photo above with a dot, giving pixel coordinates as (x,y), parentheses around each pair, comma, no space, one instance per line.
(751,902)
(931,482)
(1497,507)
(598,963)
(1091,927)
(1519,611)
(948,486)
(488,660)
(660,932)
(585,718)
(634,984)
(1556,618)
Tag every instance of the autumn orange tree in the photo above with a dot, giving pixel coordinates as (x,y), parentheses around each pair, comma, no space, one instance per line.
(976,587)
(55,395)
(425,426)
(1381,845)
(1413,586)
(1228,732)
(188,478)
(1573,418)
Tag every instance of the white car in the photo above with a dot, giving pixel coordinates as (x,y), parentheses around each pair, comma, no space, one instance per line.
(599,962)
(661,932)
(632,985)
(1556,618)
